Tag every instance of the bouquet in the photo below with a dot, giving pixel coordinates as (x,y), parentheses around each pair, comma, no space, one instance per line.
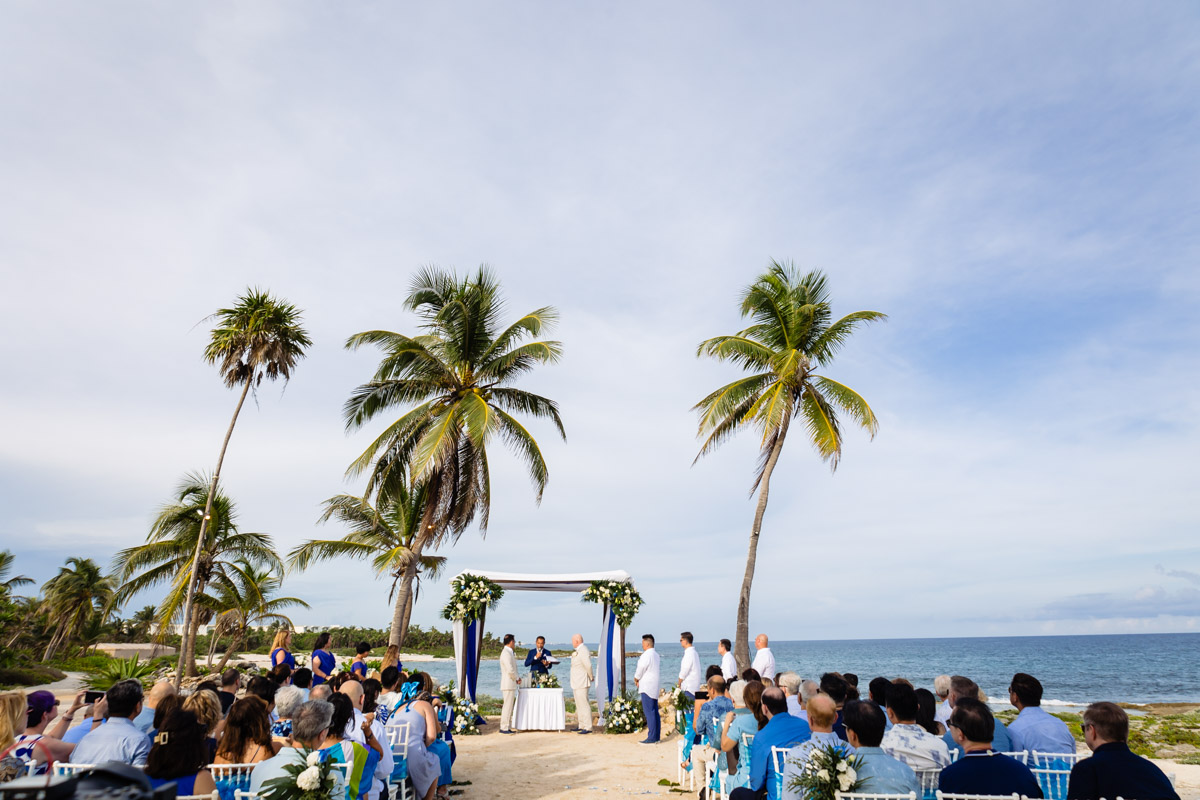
(678,700)
(465,714)
(827,771)
(546,681)
(310,779)
(624,715)
(621,597)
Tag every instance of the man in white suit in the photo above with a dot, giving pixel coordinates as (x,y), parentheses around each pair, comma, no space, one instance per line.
(509,681)
(581,680)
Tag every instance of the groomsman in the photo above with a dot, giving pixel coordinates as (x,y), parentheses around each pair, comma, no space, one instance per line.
(509,680)
(689,667)
(647,680)
(581,679)
(729,670)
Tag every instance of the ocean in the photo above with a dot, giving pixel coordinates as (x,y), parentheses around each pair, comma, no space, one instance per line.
(1075,670)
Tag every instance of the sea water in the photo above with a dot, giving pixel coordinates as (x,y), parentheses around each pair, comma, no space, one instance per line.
(1075,670)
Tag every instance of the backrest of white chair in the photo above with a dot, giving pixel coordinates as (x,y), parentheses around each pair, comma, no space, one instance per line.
(220,771)
(1053,782)
(213,795)
(238,794)
(64,768)
(954,754)
(860,796)
(1053,760)
(1171,778)
(928,779)
(1019,755)
(949,796)
(778,756)
(747,743)
(397,736)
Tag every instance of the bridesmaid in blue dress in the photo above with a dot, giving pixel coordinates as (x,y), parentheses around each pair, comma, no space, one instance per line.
(179,755)
(281,650)
(323,661)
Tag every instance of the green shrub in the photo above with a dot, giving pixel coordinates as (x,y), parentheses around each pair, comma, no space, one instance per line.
(120,669)
(29,676)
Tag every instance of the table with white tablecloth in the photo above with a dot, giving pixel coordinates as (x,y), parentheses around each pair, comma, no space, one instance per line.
(540,710)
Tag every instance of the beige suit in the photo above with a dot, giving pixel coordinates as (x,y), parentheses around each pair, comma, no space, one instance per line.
(508,686)
(581,679)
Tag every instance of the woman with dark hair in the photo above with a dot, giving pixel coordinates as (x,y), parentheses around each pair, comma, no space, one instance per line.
(927,711)
(247,738)
(359,664)
(280,674)
(165,706)
(372,688)
(179,754)
(340,749)
(322,660)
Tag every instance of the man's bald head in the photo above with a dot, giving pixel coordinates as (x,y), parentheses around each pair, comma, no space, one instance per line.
(576,640)
(161,690)
(353,690)
(760,641)
(822,712)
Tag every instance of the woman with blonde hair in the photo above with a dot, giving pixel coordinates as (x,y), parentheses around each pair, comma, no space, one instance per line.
(12,722)
(281,650)
(207,707)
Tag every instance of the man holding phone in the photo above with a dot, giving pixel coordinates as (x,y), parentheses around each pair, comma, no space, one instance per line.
(118,739)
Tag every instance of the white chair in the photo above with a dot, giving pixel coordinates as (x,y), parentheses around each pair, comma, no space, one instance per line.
(928,779)
(213,795)
(1048,760)
(231,777)
(857,796)
(948,796)
(1053,782)
(778,757)
(682,774)
(238,794)
(1019,755)
(64,768)
(397,736)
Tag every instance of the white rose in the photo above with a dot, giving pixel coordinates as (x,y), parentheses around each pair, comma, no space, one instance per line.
(314,758)
(823,774)
(841,766)
(845,782)
(309,780)
(852,775)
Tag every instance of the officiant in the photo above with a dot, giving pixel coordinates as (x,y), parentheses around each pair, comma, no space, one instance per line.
(539,659)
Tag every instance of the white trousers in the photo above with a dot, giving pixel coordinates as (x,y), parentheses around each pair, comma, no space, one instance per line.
(583,709)
(506,713)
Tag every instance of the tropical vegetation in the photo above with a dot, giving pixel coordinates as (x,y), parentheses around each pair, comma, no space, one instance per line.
(242,600)
(454,384)
(791,334)
(78,598)
(7,584)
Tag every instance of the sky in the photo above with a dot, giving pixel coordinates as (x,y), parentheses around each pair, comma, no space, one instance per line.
(1017,186)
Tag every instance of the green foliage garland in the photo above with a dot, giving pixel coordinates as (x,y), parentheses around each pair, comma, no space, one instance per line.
(624,599)
(469,596)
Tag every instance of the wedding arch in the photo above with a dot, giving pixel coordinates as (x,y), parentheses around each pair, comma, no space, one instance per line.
(469,602)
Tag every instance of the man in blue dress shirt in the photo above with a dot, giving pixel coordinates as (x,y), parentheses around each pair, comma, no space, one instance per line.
(538,659)
(118,739)
(1034,729)
(1114,770)
(782,730)
(982,770)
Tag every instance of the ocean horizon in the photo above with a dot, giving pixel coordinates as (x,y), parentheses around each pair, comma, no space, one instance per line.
(1074,669)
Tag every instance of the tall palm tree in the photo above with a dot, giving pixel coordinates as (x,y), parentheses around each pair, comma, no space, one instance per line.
(259,337)
(74,597)
(790,336)
(244,599)
(384,534)
(167,556)
(7,584)
(454,382)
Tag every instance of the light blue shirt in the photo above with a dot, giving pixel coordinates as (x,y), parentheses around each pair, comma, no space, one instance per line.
(1034,729)
(882,774)
(76,734)
(144,721)
(799,754)
(273,768)
(116,740)
(1001,742)
(783,730)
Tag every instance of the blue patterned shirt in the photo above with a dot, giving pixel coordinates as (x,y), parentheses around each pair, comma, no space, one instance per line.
(717,707)
(882,774)
(916,746)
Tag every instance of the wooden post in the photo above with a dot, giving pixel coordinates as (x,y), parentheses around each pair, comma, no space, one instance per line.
(622,662)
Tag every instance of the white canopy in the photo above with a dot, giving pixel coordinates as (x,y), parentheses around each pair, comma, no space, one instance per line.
(560,582)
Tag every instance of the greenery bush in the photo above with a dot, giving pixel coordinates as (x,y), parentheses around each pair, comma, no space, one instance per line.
(29,675)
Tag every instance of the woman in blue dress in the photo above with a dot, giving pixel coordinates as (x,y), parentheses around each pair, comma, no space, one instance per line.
(323,661)
(281,650)
(179,755)
(359,664)
(745,695)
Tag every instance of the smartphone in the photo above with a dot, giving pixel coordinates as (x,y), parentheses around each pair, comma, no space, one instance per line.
(92,696)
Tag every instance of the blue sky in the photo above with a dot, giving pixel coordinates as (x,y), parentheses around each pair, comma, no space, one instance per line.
(1016,187)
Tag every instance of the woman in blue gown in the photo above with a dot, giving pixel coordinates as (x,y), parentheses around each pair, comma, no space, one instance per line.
(323,661)
(281,650)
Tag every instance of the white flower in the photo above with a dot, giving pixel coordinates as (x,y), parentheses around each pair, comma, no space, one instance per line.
(844,782)
(841,767)
(852,775)
(823,774)
(314,758)
(309,780)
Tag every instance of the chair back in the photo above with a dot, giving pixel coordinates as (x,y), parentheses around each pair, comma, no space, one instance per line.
(951,796)
(397,737)
(1053,782)
(240,794)
(1053,760)
(861,796)
(778,759)
(231,777)
(65,768)
(928,778)
(213,795)
(1019,755)
(747,742)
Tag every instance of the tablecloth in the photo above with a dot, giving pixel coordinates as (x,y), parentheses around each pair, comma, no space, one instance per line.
(540,710)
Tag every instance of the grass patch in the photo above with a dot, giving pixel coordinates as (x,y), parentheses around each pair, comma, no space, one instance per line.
(35,675)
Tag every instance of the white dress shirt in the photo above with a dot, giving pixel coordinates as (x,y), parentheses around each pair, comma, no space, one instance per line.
(647,674)
(728,666)
(383,767)
(689,671)
(764,663)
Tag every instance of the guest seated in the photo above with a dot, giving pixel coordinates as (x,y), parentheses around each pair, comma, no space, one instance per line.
(716,707)
(927,713)
(1034,729)
(344,750)
(1113,769)
(247,738)
(941,688)
(287,702)
(44,726)
(389,679)
(821,715)
(751,674)
(877,690)
(424,765)
(160,691)
(280,675)
(310,725)
(118,739)
(782,730)
(835,687)
(808,690)
(790,683)
(907,740)
(879,772)
(322,692)
(302,680)
(965,687)
(264,689)
(982,770)
(207,708)
(165,706)
(366,730)
(180,754)
(12,720)
(231,681)
(740,721)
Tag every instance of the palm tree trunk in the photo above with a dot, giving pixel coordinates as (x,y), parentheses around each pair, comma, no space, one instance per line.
(403,608)
(741,646)
(412,601)
(53,645)
(234,644)
(187,656)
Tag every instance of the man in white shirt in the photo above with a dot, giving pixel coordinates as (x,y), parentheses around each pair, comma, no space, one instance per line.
(689,667)
(764,659)
(509,681)
(729,670)
(581,681)
(354,732)
(648,681)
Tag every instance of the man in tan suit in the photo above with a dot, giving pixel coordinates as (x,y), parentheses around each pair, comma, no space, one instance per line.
(581,680)
(509,680)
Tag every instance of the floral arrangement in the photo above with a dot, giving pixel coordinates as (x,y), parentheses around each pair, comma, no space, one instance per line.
(465,714)
(546,681)
(469,596)
(624,599)
(624,715)
(827,771)
(311,779)
(678,700)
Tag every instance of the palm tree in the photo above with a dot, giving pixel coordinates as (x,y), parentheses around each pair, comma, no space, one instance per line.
(454,382)
(260,337)
(243,600)
(384,534)
(75,597)
(142,622)
(7,584)
(790,336)
(174,537)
